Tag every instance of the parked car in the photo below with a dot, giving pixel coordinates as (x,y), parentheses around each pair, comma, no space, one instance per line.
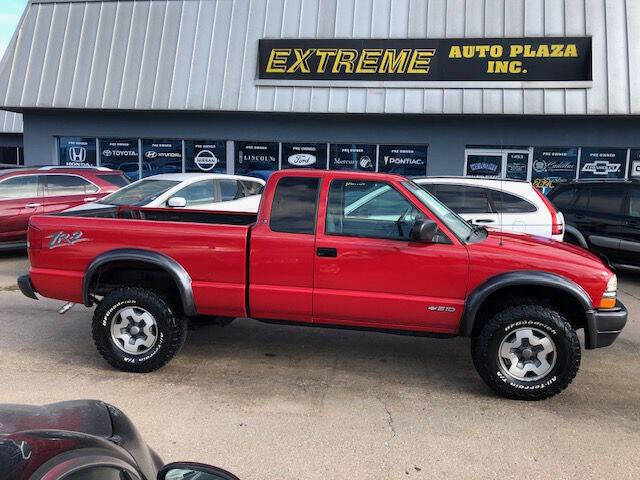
(316,255)
(32,191)
(509,205)
(263,174)
(201,191)
(603,216)
(132,169)
(83,440)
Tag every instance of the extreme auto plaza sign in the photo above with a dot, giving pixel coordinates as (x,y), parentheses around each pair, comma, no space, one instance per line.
(535,59)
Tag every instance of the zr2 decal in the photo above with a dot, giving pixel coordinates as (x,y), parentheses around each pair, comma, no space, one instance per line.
(62,239)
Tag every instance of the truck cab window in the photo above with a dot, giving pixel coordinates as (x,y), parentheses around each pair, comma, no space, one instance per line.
(295,204)
(369,209)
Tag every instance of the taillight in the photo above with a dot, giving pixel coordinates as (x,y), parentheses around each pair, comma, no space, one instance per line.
(34,238)
(557,227)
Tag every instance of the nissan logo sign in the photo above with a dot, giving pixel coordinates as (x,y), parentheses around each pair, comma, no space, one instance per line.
(206,160)
(301,159)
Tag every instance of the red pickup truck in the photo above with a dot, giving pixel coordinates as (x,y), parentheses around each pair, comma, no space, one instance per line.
(328,248)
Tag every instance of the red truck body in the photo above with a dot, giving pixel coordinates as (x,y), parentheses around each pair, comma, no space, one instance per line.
(365,285)
(327,256)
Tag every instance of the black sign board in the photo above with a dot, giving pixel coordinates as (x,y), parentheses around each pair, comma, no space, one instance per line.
(409,160)
(517,165)
(161,156)
(252,156)
(206,156)
(120,154)
(484,165)
(634,165)
(352,156)
(603,162)
(304,155)
(553,165)
(77,151)
(547,59)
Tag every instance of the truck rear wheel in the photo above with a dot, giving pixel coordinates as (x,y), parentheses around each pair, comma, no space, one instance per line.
(136,330)
(527,352)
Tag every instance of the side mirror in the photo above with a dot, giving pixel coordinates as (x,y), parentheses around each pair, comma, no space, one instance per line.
(177,202)
(424,231)
(190,471)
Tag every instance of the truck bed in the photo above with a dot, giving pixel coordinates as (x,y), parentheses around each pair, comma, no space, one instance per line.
(166,215)
(211,246)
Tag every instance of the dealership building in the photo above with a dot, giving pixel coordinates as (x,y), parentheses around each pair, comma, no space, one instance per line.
(545,90)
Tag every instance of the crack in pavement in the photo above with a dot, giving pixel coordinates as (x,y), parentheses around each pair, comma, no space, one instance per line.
(389,418)
(9,288)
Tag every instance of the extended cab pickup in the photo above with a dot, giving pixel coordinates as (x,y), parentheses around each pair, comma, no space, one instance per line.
(342,249)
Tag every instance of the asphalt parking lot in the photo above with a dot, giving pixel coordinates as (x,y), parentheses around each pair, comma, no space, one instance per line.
(278,402)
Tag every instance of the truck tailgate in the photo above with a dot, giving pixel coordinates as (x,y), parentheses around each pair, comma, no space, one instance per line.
(214,255)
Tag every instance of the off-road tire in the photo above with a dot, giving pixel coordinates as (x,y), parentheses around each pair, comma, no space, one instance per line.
(525,313)
(171,329)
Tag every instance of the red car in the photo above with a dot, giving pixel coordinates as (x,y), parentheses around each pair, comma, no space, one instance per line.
(327,248)
(32,191)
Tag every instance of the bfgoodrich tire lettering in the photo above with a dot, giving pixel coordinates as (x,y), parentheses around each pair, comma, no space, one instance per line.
(169,330)
(544,322)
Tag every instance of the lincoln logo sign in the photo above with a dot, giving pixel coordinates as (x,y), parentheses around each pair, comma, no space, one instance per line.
(539,59)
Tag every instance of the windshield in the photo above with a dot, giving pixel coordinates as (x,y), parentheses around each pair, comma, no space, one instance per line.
(452,220)
(139,193)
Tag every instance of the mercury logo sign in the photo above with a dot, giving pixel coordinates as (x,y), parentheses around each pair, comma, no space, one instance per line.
(206,160)
(78,154)
(301,159)
(365,162)
(601,167)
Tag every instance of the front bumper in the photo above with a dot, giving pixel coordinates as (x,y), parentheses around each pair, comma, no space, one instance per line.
(604,326)
(24,283)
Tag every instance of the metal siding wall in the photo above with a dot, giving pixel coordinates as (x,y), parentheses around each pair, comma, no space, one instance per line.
(201,54)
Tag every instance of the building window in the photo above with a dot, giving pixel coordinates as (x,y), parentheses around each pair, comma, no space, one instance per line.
(497,161)
(254,157)
(352,156)
(408,160)
(77,151)
(9,156)
(161,156)
(208,156)
(304,155)
(553,165)
(121,154)
(603,162)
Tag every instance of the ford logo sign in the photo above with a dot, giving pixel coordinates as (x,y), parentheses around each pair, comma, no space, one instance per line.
(301,159)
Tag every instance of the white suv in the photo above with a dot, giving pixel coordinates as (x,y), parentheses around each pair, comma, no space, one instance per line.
(510,205)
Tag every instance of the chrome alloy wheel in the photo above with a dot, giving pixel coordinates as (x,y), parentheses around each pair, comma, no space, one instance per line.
(134,330)
(527,354)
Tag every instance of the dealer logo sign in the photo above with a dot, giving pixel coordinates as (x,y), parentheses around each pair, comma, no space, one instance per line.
(601,167)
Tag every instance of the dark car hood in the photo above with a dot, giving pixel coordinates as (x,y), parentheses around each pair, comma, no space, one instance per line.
(85,416)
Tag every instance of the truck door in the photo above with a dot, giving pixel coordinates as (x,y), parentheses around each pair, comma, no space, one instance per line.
(282,252)
(369,273)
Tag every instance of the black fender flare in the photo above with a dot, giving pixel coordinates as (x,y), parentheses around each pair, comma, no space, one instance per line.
(168,264)
(571,230)
(520,278)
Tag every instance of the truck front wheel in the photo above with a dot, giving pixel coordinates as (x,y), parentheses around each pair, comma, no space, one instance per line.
(136,330)
(527,352)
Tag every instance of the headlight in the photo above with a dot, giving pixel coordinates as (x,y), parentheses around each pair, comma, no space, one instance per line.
(609,296)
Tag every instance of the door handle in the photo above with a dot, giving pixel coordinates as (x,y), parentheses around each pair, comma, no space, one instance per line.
(632,223)
(579,215)
(485,220)
(90,199)
(33,205)
(327,252)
